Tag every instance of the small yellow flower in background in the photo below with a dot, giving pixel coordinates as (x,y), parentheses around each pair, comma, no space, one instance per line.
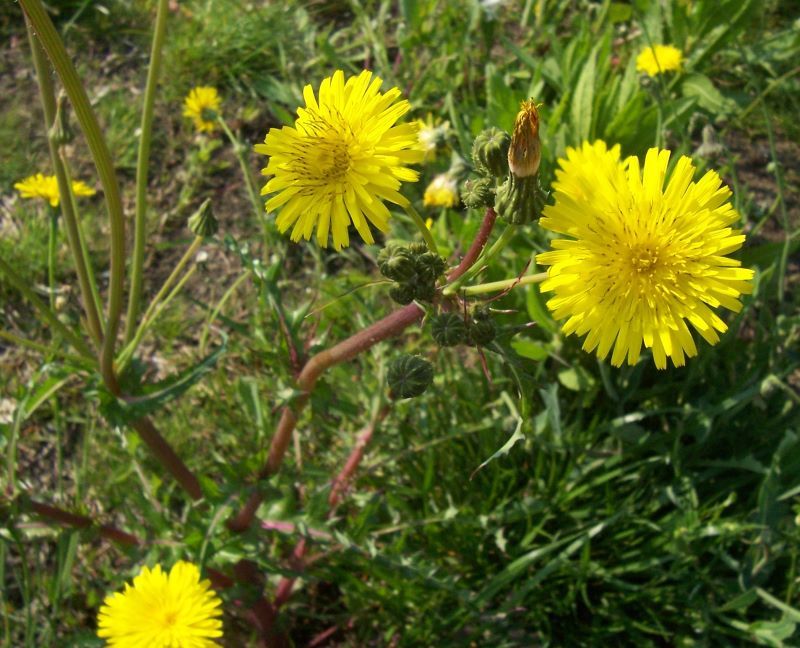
(46,188)
(641,261)
(659,58)
(160,610)
(342,158)
(431,135)
(441,192)
(202,105)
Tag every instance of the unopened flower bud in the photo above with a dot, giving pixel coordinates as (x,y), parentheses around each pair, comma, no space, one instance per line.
(395,262)
(448,329)
(490,152)
(409,376)
(429,266)
(520,200)
(482,331)
(403,293)
(478,193)
(424,291)
(202,222)
(525,151)
(61,132)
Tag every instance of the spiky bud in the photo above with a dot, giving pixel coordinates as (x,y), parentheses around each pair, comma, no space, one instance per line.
(202,222)
(409,376)
(395,262)
(403,293)
(490,152)
(520,200)
(525,151)
(448,329)
(478,193)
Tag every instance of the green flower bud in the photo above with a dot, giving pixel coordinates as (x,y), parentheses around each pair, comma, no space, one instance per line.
(520,200)
(429,266)
(490,152)
(417,248)
(482,331)
(202,222)
(395,262)
(61,132)
(424,291)
(448,329)
(409,376)
(478,193)
(403,293)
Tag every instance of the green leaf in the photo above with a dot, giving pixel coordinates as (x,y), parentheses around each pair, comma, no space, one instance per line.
(537,310)
(708,97)
(154,396)
(583,101)
(529,349)
(506,447)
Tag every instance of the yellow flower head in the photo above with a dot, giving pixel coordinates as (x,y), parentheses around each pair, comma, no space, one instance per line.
(640,261)
(525,151)
(342,158)
(160,610)
(659,58)
(46,188)
(441,192)
(202,105)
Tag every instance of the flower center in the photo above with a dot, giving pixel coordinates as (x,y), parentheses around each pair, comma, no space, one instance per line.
(170,618)
(644,259)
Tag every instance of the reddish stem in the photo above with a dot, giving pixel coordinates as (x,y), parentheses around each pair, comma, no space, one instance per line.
(477,245)
(83,522)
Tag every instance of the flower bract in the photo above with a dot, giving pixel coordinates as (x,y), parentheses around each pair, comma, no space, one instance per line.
(441,192)
(162,610)
(658,59)
(344,156)
(46,188)
(641,261)
(202,105)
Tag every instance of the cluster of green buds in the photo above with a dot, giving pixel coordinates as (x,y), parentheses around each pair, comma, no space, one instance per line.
(414,269)
(451,329)
(509,170)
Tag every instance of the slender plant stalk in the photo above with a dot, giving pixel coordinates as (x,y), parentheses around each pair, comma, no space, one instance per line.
(389,326)
(67,518)
(52,240)
(499,286)
(50,41)
(477,246)
(240,150)
(487,255)
(44,349)
(69,212)
(214,313)
(422,227)
(44,310)
(154,306)
(142,164)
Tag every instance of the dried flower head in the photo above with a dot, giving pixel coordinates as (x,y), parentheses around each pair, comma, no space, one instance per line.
(525,151)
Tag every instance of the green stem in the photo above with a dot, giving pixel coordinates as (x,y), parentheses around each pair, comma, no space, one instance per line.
(498,286)
(44,349)
(52,238)
(48,315)
(228,293)
(83,269)
(48,37)
(154,308)
(240,151)
(426,233)
(142,163)
(480,264)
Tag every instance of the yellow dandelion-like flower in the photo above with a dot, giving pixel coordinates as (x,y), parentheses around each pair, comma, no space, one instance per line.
(441,192)
(659,58)
(160,610)
(202,106)
(46,188)
(641,260)
(342,158)
(432,134)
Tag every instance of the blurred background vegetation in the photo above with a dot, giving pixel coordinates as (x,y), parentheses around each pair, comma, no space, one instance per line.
(641,507)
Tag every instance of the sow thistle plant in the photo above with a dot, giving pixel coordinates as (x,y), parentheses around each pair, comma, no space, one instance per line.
(639,259)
